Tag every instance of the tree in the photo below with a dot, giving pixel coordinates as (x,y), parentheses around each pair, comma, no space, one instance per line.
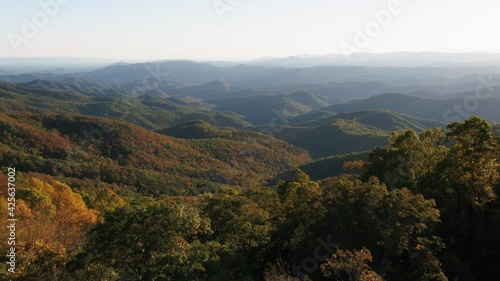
(107,201)
(395,226)
(458,169)
(407,158)
(242,227)
(469,170)
(350,265)
(149,242)
(53,224)
(463,185)
(301,201)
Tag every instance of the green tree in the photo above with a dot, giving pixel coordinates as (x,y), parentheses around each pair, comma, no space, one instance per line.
(457,168)
(407,158)
(242,227)
(396,226)
(463,185)
(150,242)
(303,210)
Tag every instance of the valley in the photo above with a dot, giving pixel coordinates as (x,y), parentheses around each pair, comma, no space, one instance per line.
(249,161)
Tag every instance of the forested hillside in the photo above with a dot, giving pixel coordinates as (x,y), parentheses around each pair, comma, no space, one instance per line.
(93,151)
(181,170)
(260,110)
(337,138)
(146,111)
(385,120)
(438,109)
(231,140)
(423,207)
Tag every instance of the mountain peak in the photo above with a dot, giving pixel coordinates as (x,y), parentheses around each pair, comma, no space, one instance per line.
(217,85)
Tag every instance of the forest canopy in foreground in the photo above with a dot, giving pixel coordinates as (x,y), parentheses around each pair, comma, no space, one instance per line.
(424,207)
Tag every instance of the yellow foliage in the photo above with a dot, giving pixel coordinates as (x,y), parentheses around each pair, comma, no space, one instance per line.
(52,222)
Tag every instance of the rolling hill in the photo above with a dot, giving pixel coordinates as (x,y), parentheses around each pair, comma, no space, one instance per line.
(262,109)
(149,111)
(382,119)
(326,167)
(333,138)
(198,129)
(92,152)
(337,138)
(84,86)
(215,89)
(444,110)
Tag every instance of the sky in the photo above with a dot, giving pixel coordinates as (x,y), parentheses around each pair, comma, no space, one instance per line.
(243,29)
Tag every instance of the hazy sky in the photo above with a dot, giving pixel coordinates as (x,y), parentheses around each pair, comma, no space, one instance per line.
(242,29)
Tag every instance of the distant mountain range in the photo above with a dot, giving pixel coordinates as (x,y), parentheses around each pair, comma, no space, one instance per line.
(51,64)
(391,59)
(179,73)
(396,59)
(311,102)
(443,110)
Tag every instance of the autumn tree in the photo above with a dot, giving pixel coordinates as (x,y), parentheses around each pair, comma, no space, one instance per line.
(350,265)
(53,224)
(107,201)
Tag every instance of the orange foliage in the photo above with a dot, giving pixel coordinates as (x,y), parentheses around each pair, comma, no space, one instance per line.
(53,213)
(350,265)
(53,221)
(356,165)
